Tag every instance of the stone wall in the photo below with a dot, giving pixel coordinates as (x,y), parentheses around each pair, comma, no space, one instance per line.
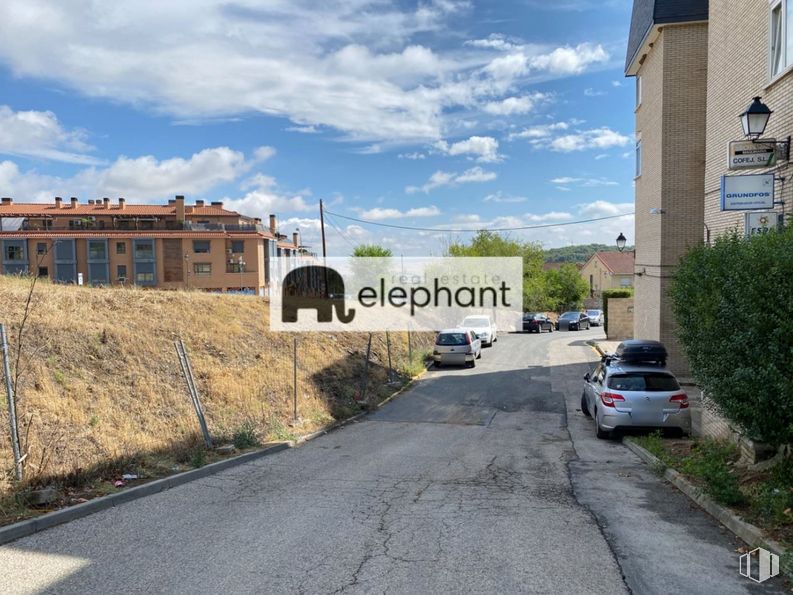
(620,319)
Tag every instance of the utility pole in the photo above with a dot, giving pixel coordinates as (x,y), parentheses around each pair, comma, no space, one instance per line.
(324,250)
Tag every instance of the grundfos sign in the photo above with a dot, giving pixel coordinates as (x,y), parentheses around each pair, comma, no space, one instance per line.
(747,193)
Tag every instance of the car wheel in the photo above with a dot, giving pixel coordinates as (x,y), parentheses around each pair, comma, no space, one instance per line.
(584,408)
(472,363)
(479,355)
(599,432)
(437,364)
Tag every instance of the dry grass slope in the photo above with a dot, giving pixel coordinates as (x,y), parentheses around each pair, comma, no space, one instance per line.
(102,388)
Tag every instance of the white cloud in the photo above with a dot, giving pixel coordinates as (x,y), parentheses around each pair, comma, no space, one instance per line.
(494,42)
(442,178)
(265,198)
(378,214)
(500,197)
(616,83)
(361,67)
(304,129)
(412,156)
(571,60)
(602,208)
(540,131)
(597,138)
(583,182)
(138,179)
(484,148)
(40,134)
(514,105)
(589,92)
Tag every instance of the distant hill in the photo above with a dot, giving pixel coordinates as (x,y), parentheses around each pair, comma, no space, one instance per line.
(580,253)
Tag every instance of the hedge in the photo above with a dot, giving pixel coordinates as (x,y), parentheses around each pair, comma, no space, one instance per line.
(733,302)
(622,292)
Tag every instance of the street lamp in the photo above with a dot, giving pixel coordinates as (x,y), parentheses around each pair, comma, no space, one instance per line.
(621,241)
(755,119)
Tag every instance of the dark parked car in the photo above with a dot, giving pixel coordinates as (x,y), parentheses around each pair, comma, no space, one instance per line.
(573,321)
(536,323)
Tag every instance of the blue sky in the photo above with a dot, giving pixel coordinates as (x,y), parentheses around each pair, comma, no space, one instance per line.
(442,114)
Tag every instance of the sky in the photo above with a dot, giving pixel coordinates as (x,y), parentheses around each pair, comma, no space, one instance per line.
(445,115)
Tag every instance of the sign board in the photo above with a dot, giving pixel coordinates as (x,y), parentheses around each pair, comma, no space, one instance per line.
(762,222)
(746,154)
(79,278)
(747,193)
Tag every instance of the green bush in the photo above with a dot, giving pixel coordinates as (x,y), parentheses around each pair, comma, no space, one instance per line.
(622,292)
(733,302)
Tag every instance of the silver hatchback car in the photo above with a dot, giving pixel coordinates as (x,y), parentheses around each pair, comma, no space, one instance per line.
(621,395)
(457,346)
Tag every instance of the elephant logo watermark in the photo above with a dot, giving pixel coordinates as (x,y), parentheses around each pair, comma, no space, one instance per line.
(314,287)
(337,294)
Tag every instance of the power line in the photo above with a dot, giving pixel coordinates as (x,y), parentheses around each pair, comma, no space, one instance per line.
(476,230)
(339,231)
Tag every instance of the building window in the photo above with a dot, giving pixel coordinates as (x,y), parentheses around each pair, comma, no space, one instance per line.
(238,246)
(144,250)
(121,247)
(14,253)
(97,250)
(121,272)
(41,248)
(781,24)
(201,246)
(625,282)
(202,268)
(638,158)
(144,277)
(638,91)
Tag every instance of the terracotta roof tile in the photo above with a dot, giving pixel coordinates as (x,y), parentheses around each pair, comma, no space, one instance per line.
(47,209)
(619,263)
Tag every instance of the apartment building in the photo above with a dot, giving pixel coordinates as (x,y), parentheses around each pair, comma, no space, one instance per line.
(750,54)
(668,57)
(608,270)
(171,246)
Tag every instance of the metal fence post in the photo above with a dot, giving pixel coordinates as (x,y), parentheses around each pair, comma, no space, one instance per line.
(365,381)
(388,349)
(187,370)
(12,410)
(410,350)
(294,380)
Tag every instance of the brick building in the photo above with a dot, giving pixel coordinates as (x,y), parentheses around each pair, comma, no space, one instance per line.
(668,56)
(171,246)
(608,270)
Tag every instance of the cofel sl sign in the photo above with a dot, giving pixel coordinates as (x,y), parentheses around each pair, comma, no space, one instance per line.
(747,193)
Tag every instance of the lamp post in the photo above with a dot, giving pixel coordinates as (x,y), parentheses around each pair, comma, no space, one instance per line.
(241,266)
(187,270)
(621,241)
(755,119)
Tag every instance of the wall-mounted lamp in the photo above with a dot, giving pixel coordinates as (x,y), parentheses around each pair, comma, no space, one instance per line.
(656,211)
(755,119)
(621,241)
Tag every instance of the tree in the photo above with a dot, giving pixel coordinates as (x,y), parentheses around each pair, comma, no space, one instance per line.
(566,288)
(492,244)
(372,251)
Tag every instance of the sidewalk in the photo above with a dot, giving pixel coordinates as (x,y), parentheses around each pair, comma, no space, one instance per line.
(662,542)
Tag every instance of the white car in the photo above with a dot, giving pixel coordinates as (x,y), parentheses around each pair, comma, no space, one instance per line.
(483,326)
(596,317)
(457,346)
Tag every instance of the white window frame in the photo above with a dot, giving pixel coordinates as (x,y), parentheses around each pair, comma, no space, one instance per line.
(638,157)
(785,61)
(638,91)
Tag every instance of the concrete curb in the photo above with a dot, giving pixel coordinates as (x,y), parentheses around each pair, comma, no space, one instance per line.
(340,424)
(58,517)
(752,535)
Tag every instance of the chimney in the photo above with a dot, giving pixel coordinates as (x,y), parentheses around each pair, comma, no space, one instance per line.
(7,200)
(74,202)
(90,201)
(296,239)
(171,202)
(106,202)
(179,208)
(217,203)
(199,203)
(122,203)
(273,224)
(257,220)
(58,202)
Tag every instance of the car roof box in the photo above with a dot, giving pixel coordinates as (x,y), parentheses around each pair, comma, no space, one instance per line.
(638,350)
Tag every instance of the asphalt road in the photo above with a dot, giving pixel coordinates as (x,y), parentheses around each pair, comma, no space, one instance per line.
(482,480)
